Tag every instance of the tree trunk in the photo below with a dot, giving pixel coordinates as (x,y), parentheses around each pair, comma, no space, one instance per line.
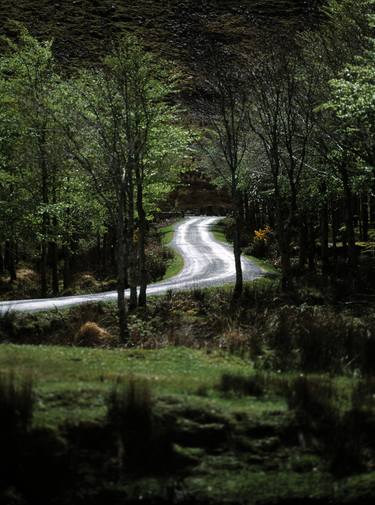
(9,260)
(312,248)
(54,268)
(303,245)
(350,234)
(43,269)
(249,216)
(121,265)
(132,255)
(365,215)
(324,237)
(237,242)
(98,253)
(54,252)
(2,263)
(334,233)
(112,256)
(67,278)
(285,267)
(283,241)
(142,299)
(44,180)
(104,255)
(237,258)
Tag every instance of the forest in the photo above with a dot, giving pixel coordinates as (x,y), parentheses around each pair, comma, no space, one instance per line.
(187,252)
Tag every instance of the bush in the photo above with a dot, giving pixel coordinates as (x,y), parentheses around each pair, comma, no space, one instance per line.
(16,404)
(145,443)
(257,248)
(16,413)
(314,338)
(157,257)
(92,335)
(252,385)
(263,244)
(323,419)
(313,402)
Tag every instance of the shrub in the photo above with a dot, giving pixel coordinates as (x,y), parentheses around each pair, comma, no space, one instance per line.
(157,257)
(145,443)
(321,417)
(16,413)
(312,400)
(234,340)
(7,325)
(314,338)
(91,334)
(252,385)
(16,403)
(263,244)
(86,282)
(199,294)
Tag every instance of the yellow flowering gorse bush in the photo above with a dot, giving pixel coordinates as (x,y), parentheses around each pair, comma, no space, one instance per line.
(263,234)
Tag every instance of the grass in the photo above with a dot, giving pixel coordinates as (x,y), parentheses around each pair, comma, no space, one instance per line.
(177,263)
(217,231)
(261,486)
(175,266)
(73,382)
(232,444)
(167,233)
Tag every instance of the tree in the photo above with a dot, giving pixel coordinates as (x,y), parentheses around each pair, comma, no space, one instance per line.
(224,110)
(43,195)
(114,119)
(282,109)
(28,81)
(343,137)
(151,135)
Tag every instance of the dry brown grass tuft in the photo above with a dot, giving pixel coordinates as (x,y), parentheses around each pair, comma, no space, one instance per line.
(92,335)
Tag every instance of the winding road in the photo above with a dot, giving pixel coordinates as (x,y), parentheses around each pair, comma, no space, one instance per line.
(207,262)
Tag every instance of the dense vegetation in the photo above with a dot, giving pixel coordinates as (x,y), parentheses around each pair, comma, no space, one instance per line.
(290,134)
(109,132)
(259,394)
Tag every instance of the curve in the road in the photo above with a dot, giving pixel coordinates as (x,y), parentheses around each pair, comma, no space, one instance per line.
(207,262)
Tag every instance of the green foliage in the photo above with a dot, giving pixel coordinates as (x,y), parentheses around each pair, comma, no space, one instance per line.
(350,77)
(126,102)
(351,98)
(44,193)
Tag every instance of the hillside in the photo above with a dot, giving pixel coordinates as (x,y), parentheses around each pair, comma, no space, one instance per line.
(82,28)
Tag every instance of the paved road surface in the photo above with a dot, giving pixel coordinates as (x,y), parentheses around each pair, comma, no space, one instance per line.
(207,262)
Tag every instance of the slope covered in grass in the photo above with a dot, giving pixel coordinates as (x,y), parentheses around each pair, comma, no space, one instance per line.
(228,433)
(73,382)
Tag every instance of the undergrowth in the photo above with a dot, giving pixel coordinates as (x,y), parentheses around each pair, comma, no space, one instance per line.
(292,331)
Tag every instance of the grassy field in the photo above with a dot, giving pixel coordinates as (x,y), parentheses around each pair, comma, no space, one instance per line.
(72,382)
(232,445)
